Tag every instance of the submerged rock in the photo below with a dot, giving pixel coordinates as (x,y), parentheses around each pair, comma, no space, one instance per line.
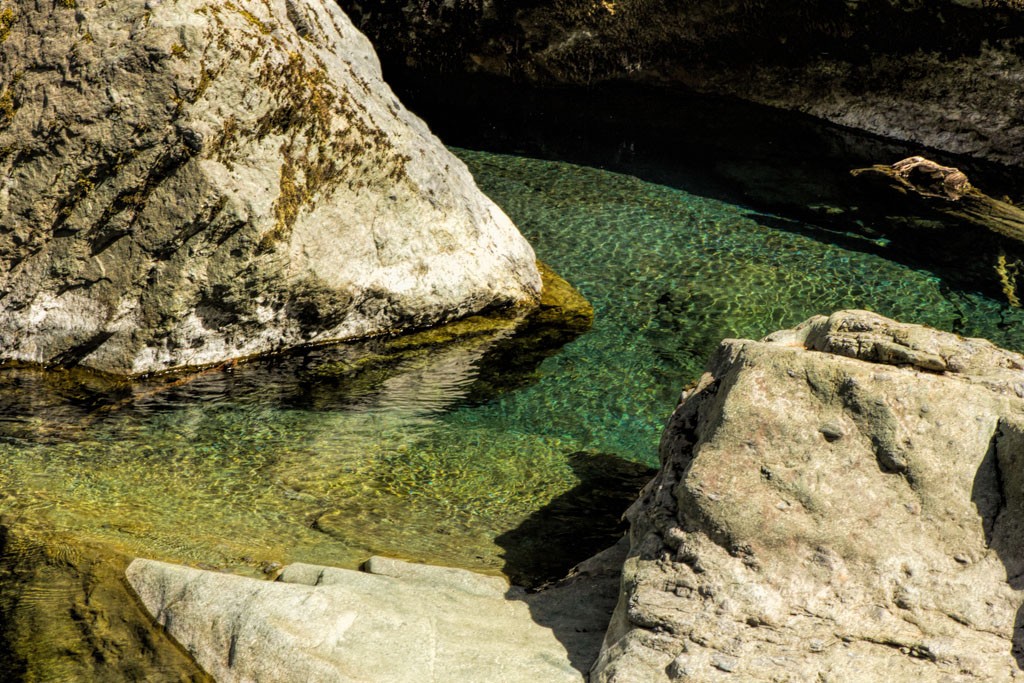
(67,615)
(183,183)
(395,621)
(842,501)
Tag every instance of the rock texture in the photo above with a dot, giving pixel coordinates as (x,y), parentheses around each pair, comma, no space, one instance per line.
(839,502)
(946,74)
(186,182)
(395,621)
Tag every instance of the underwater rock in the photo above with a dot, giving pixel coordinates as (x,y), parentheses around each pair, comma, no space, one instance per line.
(767,550)
(395,621)
(186,183)
(944,74)
(67,615)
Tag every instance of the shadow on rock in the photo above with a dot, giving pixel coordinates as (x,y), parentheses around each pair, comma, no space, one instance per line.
(998,493)
(584,522)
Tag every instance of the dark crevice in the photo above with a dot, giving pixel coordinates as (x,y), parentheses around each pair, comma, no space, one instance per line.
(997,494)
(133,199)
(75,354)
(104,240)
(80,284)
(987,493)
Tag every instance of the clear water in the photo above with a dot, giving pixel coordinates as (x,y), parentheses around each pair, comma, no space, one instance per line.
(420,458)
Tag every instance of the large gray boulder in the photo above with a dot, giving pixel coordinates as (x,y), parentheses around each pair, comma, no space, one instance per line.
(839,502)
(394,622)
(184,182)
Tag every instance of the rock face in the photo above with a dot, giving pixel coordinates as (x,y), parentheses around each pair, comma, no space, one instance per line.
(395,621)
(839,502)
(186,182)
(945,74)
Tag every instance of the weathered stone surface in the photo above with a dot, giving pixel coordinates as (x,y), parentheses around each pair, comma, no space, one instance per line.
(946,74)
(839,502)
(188,181)
(393,622)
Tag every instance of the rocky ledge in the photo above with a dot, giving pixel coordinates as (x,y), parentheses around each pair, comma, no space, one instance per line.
(944,74)
(843,501)
(187,182)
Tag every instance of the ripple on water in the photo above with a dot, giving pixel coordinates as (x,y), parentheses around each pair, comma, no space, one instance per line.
(264,466)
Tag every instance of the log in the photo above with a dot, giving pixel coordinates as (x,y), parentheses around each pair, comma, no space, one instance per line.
(981,230)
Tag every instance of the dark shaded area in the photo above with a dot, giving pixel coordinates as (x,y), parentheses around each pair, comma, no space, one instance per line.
(573,528)
(656,40)
(792,171)
(998,494)
(501,352)
(578,608)
(577,524)
(13,666)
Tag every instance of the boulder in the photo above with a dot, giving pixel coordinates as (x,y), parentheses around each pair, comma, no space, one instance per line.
(839,502)
(187,182)
(395,621)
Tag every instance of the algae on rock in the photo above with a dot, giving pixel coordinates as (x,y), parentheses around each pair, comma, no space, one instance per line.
(190,182)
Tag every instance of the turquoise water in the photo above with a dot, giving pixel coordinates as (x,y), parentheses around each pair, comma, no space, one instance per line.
(420,457)
(670,274)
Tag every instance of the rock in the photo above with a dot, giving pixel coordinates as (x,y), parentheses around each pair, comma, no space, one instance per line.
(943,74)
(764,552)
(393,622)
(66,614)
(183,183)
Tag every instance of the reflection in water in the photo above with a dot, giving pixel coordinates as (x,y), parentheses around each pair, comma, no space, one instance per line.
(432,452)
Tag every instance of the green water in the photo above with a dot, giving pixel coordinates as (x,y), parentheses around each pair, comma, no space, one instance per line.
(270,463)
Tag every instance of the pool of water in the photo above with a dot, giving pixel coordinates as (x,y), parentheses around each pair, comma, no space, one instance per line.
(433,456)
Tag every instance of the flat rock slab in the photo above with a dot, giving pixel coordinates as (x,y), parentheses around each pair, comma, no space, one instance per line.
(393,622)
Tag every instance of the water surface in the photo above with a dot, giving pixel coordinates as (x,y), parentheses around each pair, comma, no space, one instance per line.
(432,456)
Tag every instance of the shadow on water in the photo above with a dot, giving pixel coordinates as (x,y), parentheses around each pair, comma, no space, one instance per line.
(774,162)
(998,494)
(468,362)
(575,526)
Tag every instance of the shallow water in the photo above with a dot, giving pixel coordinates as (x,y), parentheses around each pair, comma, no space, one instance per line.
(431,456)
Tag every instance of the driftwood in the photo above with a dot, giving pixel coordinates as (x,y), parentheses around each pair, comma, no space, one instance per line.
(984,230)
(951,193)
